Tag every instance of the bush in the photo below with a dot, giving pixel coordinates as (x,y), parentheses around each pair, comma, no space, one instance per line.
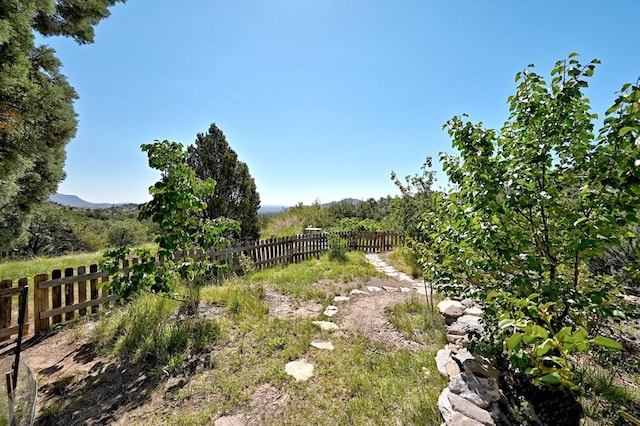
(337,247)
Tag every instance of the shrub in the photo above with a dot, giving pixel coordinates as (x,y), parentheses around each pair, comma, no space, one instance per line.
(337,247)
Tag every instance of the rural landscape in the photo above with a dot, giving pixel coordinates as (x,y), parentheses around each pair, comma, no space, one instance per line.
(511,296)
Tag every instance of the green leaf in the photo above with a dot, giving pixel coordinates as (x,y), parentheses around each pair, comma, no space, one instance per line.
(505,323)
(606,342)
(513,342)
(550,379)
(625,130)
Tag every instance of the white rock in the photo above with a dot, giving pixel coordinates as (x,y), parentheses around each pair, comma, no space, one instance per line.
(326,325)
(442,357)
(405,289)
(444,405)
(322,344)
(301,370)
(331,310)
(373,288)
(390,289)
(341,299)
(474,311)
(451,308)
(467,408)
(358,292)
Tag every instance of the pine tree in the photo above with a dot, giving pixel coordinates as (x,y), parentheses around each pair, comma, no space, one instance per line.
(235,194)
(37,118)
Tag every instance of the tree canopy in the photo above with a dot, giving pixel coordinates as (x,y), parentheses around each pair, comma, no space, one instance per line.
(235,195)
(37,118)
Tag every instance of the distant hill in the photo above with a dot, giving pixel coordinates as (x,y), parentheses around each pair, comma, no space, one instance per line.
(353,201)
(271,209)
(75,201)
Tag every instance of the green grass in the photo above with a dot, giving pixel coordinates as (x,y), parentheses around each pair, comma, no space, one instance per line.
(404,259)
(17,269)
(298,279)
(416,321)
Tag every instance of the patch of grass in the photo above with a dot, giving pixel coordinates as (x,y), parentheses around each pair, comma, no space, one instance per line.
(404,259)
(415,320)
(147,329)
(298,279)
(238,296)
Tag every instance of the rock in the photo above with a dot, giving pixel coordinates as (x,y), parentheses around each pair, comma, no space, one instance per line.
(455,338)
(479,390)
(322,344)
(326,325)
(341,299)
(405,289)
(452,368)
(331,310)
(457,328)
(236,420)
(373,288)
(442,358)
(467,302)
(358,292)
(421,291)
(444,405)
(467,408)
(451,308)
(390,289)
(481,367)
(301,370)
(474,311)
(458,419)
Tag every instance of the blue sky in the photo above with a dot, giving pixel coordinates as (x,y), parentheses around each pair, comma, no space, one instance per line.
(321,98)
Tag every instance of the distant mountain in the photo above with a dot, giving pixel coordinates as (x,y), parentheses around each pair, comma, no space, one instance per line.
(271,209)
(353,201)
(75,201)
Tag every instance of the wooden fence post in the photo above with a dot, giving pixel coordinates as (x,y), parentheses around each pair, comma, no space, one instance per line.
(94,287)
(56,296)
(5,308)
(69,294)
(40,303)
(82,290)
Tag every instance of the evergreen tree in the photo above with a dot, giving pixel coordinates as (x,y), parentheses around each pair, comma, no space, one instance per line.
(235,195)
(37,119)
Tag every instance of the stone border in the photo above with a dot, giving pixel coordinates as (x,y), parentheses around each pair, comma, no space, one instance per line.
(471,399)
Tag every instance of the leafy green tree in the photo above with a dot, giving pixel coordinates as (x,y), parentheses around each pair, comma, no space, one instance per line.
(51,232)
(125,233)
(37,119)
(532,202)
(417,198)
(176,206)
(235,195)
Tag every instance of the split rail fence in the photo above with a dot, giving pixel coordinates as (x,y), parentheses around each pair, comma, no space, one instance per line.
(66,294)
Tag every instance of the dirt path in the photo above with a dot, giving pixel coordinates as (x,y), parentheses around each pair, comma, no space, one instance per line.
(65,362)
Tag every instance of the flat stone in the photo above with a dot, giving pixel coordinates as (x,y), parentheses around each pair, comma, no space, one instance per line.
(356,292)
(457,328)
(481,367)
(322,344)
(422,291)
(373,288)
(301,370)
(341,299)
(235,420)
(470,319)
(452,368)
(390,289)
(467,302)
(463,406)
(444,405)
(331,310)
(459,419)
(474,311)
(442,357)
(455,338)
(478,390)
(326,325)
(405,290)
(451,308)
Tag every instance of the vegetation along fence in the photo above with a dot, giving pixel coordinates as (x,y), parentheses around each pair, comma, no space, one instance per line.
(70,293)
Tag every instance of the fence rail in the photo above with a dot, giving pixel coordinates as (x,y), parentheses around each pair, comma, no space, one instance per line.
(66,294)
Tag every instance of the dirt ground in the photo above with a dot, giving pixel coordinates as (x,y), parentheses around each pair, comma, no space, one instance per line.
(65,359)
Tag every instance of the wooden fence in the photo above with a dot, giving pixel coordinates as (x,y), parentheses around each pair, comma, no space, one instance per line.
(70,293)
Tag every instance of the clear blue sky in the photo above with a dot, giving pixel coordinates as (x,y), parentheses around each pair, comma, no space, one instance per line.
(321,98)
